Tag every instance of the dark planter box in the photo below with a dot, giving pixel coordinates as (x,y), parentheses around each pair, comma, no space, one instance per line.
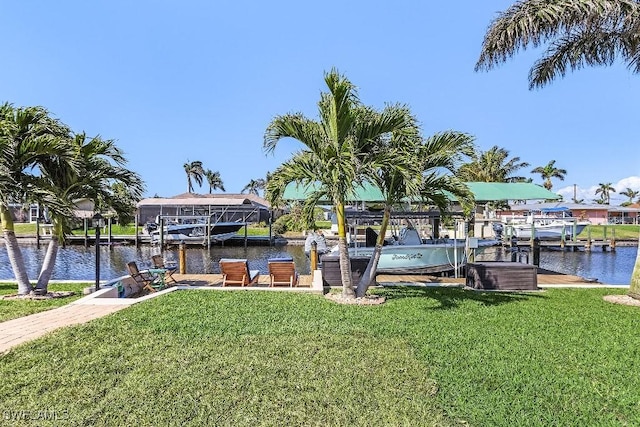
(331,269)
(502,276)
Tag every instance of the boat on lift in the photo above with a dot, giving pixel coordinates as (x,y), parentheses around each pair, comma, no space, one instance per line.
(192,231)
(545,224)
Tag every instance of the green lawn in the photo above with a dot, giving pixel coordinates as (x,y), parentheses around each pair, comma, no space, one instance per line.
(11,309)
(434,356)
(619,231)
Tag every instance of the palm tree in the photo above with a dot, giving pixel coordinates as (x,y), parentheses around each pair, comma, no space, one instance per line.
(577,33)
(100,165)
(550,171)
(587,32)
(631,194)
(195,171)
(29,138)
(333,154)
(404,166)
(605,191)
(254,186)
(214,180)
(492,165)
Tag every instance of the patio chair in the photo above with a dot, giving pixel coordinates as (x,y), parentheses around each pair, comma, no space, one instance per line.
(158,262)
(236,271)
(282,272)
(143,278)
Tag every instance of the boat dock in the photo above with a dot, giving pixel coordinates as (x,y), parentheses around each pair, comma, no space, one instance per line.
(573,245)
(145,239)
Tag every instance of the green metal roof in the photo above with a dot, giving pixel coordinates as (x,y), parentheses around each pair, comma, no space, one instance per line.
(483,192)
(495,191)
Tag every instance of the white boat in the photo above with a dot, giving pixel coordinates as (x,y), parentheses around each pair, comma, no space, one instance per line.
(412,255)
(192,233)
(551,224)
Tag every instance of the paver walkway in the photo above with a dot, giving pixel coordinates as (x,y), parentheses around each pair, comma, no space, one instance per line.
(17,331)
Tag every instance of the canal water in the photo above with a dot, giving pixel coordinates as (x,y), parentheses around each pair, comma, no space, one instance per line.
(78,263)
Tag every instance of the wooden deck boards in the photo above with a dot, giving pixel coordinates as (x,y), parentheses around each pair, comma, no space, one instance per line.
(545,278)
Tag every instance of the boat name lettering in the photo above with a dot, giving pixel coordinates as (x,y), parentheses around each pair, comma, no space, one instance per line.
(407,256)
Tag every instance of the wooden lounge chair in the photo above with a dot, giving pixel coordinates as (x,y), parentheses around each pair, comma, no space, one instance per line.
(282,272)
(158,262)
(143,278)
(236,271)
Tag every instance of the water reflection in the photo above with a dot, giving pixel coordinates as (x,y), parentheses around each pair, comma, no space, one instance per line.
(78,262)
(613,268)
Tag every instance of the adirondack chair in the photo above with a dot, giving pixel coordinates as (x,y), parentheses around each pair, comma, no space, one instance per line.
(282,272)
(236,271)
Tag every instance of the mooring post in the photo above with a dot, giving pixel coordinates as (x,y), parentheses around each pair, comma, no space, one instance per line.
(536,252)
(136,240)
(38,233)
(182,258)
(613,239)
(313,256)
(514,248)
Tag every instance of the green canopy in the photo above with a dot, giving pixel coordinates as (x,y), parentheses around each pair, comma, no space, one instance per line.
(483,192)
(495,191)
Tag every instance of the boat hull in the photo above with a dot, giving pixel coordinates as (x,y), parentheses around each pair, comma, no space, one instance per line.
(197,233)
(420,259)
(547,231)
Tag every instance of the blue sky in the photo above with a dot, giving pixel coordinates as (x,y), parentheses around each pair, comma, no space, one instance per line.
(177,81)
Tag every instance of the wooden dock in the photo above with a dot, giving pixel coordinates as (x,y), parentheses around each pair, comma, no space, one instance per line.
(571,245)
(546,278)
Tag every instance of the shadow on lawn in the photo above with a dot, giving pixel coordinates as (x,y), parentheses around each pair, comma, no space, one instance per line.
(452,297)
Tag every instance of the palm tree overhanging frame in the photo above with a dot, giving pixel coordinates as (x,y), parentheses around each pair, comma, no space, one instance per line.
(577,34)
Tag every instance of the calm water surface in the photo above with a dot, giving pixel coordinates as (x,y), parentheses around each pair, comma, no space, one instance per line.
(612,268)
(78,262)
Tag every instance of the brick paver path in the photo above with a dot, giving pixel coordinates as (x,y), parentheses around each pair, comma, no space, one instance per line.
(17,331)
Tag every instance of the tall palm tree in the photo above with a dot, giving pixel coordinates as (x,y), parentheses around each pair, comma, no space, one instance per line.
(631,194)
(550,171)
(100,166)
(404,166)
(605,191)
(577,34)
(254,186)
(194,171)
(214,180)
(29,138)
(493,165)
(333,154)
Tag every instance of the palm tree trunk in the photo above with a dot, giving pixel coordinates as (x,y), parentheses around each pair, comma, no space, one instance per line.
(343,251)
(13,251)
(47,265)
(369,275)
(634,286)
